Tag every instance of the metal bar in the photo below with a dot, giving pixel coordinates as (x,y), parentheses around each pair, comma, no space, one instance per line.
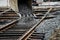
(8,25)
(5,11)
(29,32)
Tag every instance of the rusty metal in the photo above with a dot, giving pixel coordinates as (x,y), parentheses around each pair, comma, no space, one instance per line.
(30,31)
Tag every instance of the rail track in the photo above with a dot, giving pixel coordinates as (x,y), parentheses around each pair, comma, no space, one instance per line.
(55,35)
(15,31)
(7,19)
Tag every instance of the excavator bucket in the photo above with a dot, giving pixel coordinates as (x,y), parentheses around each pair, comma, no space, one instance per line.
(26,2)
(25,8)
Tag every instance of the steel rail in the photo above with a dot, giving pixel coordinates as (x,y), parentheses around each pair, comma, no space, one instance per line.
(5,27)
(5,11)
(31,30)
(11,23)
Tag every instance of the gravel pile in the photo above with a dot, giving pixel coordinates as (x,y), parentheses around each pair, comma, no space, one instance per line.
(48,26)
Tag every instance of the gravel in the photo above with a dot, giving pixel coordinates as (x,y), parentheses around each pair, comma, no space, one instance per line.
(48,26)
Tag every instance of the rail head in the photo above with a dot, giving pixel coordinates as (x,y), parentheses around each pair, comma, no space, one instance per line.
(31,30)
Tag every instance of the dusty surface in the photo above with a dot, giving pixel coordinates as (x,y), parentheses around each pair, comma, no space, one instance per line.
(48,26)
